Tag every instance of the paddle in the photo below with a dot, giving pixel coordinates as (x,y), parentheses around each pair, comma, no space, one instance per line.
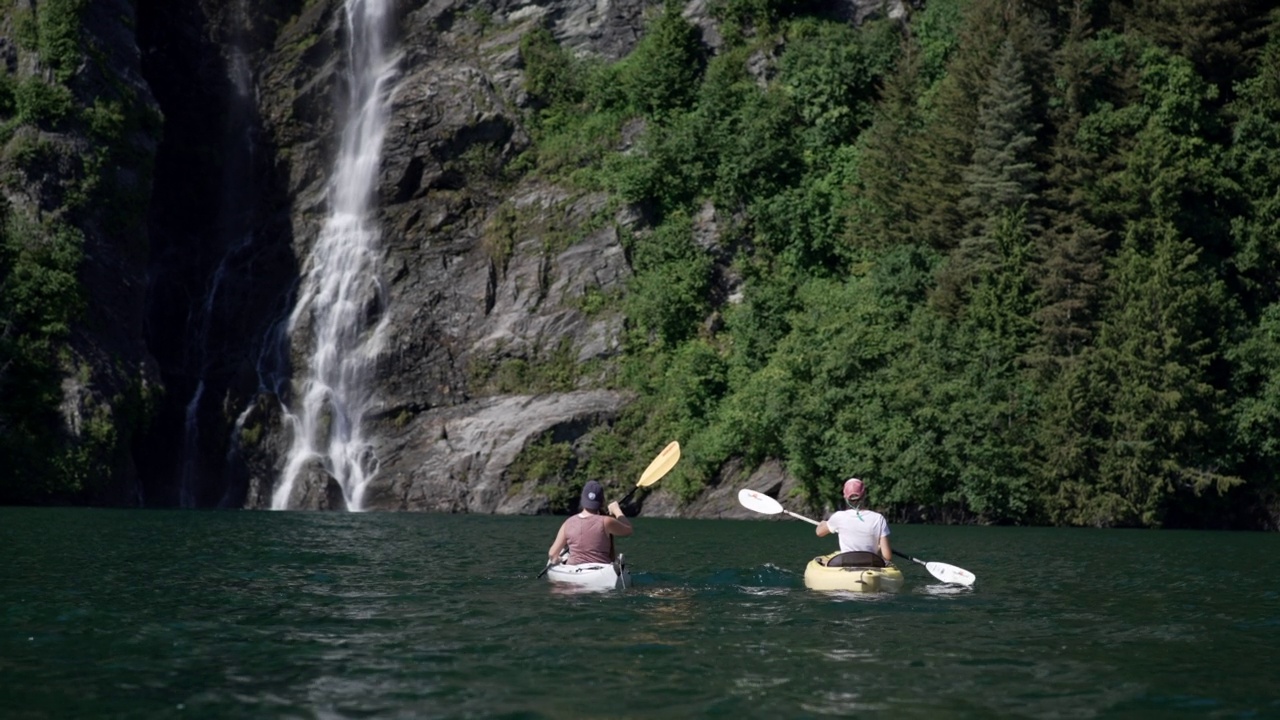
(661,465)
(944,572)
(766,505)
(564,555)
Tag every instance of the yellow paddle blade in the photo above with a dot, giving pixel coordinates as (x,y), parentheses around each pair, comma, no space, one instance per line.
(661,465)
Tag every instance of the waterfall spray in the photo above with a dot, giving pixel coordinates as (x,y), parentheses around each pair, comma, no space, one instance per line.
(341,297)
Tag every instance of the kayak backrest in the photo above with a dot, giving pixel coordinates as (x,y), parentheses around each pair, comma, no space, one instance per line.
(857,558)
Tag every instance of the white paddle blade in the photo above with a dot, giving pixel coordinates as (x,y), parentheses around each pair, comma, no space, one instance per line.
(950,573)
(759,502)
(661,465)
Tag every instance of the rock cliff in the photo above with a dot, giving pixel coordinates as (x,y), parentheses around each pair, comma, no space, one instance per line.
(487,271)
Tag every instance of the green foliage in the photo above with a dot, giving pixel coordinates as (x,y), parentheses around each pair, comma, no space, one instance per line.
(759,159)
(1254,162)
(550,467)
(1221,38)
(60,42)
(26,28)
(1156,406)
(1002,176)
(106,120)
(661,75)
(550,73)
(1256,413)
(936,32)
(672,165)
(580,110)
(803,226)
(668,295)
(41,294)
(571,143)
(8,101)
(830,72)
(42,104)
(557,371)
(39,298)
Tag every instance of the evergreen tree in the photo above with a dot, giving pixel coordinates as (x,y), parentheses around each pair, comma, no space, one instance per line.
(881,212)
(1255,412)
(1002,176)
(1069,254)
(1221,38)
(946,145)
(1000,180)
(1157,407)
(1254,160)
(994,334)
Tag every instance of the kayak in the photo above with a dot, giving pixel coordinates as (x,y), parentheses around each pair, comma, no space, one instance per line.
(817,576)
(596,576)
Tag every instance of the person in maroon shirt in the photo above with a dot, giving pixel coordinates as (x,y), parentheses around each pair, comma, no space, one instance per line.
(589,535)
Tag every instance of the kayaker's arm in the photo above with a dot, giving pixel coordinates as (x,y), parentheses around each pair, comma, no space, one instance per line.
(822,530)
(885,550)
(618,524)
(553,553)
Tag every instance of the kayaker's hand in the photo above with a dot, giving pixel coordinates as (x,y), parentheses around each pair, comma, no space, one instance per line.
(615,509)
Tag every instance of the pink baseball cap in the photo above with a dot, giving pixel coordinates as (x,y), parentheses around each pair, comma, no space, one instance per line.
(853,488)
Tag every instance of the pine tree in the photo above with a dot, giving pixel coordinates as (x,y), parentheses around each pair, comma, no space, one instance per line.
(1069,254)
(1254,160)
(881,212)
(1153,362)
(1000,181)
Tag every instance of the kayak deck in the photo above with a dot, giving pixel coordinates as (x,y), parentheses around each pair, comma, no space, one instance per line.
(599,576)
(817,576)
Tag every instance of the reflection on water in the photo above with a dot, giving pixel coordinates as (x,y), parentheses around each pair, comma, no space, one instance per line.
(942,589)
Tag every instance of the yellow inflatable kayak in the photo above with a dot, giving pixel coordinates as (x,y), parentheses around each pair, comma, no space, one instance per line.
(817,576)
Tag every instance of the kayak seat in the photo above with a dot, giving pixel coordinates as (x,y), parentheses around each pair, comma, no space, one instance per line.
(856,559)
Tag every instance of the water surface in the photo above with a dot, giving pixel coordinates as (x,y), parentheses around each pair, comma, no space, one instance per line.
(154,614)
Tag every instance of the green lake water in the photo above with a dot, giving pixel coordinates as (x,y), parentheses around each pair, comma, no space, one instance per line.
(171,614)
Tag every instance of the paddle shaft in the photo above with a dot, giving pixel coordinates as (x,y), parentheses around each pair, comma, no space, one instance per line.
(797,516)
(902,554)
(627,497)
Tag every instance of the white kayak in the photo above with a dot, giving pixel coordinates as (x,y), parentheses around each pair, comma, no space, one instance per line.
(596,576)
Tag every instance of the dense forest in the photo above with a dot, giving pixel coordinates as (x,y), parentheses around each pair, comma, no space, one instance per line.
(1014,262)
(1011,262)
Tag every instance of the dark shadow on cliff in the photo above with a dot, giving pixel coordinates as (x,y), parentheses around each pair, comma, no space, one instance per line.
(221,267)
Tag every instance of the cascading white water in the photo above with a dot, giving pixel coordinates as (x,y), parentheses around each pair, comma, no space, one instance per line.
(341,298)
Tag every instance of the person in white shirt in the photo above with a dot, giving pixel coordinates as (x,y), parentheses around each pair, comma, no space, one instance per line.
(860,530)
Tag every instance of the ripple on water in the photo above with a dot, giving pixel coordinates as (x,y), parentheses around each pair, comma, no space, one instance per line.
(133,614)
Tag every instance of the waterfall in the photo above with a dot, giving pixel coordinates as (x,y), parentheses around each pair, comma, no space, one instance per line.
(190,444)
(341,297)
